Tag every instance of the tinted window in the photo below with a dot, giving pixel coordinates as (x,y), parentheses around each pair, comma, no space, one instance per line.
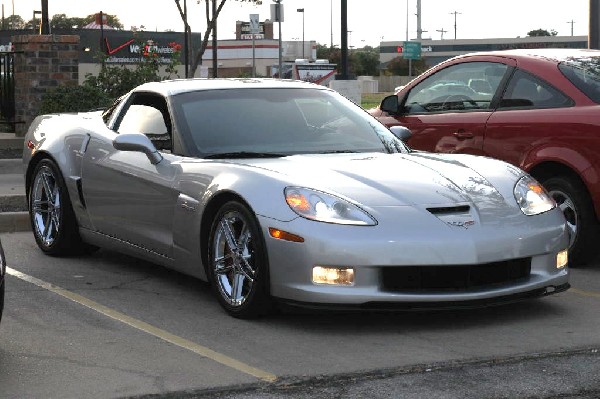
(282,121)
(526,91)
(460,87)
(584,73)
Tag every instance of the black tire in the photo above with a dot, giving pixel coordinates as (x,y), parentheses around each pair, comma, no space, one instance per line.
(237,255)
(51,214)
(573,199)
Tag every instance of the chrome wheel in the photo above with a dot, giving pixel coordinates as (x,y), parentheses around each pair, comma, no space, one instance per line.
(233,254)
(45,206)
(568,208)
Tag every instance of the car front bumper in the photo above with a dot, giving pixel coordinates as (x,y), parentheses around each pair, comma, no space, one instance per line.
(398,243)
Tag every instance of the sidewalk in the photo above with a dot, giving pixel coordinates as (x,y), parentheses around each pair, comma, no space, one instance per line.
(13,205)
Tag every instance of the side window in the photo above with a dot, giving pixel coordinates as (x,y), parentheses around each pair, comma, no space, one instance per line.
(148,114)
(526,91)
(462,87)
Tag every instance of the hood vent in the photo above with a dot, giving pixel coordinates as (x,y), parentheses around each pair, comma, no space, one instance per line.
(446,210)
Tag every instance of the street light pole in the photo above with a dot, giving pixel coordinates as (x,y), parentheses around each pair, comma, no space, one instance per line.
(302,11)
(279,18)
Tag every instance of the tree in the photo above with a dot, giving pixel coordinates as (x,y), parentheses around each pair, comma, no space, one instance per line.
(14,22)
(61,21)
(210,24)
(399,67)
(365,61)
(541,32)
(111,20)
(332,54)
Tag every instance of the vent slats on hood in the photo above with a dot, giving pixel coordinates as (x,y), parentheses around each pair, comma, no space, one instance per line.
(444,210)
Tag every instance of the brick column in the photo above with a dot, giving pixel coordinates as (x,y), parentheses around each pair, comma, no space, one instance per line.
(42,62)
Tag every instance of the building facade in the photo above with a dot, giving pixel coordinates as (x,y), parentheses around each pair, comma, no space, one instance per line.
(235,57)
(435,51)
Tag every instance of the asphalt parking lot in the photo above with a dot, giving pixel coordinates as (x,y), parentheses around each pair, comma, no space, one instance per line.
(108,325)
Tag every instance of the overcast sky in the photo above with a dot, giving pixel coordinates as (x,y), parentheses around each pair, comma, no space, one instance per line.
(368,21)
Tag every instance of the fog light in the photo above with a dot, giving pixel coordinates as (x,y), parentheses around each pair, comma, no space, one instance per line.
(562,258)
(333,275)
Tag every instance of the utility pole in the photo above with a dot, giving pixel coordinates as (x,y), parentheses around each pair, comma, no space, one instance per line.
(406,20)
(442,31)
(455,14)
(344,28)
(571,22)
(594,29)
(45,28)
(419,30)
(331,22)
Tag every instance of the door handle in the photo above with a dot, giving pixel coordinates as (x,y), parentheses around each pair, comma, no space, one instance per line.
(463,135)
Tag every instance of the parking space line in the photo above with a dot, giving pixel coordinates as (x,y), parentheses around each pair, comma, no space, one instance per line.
(147,328)
(585,293)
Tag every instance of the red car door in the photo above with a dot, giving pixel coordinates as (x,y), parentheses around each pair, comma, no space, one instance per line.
(448,108)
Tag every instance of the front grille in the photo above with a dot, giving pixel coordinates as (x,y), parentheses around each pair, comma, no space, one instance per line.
(454,277)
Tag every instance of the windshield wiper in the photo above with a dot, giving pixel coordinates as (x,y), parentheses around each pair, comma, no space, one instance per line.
(243,154)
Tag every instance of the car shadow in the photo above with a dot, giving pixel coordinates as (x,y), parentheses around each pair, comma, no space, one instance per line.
(530,310)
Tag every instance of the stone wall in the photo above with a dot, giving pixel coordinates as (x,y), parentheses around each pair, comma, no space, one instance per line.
(42,62)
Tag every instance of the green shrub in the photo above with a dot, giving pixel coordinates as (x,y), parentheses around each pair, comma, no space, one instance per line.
(74,99)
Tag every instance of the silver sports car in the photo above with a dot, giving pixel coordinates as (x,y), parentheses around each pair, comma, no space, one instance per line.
(281,191)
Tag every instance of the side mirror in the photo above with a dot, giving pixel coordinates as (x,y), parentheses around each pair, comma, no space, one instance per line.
(390,104)
(137,142)
(403,133)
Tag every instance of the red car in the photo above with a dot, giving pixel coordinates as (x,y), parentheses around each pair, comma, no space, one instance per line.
(537,109)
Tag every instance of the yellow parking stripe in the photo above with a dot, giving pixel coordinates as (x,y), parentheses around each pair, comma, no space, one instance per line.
(585,293)
(147,328)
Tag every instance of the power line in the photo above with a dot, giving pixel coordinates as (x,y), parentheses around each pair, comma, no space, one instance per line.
(442,31)
(572,23)
(455,14)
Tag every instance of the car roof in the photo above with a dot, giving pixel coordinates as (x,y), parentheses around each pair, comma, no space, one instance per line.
(174,87)
(555,54)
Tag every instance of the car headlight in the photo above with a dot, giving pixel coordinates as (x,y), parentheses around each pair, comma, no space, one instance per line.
(322,207)
(532,197)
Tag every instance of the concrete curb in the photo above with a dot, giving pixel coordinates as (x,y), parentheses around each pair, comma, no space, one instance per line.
(13,203)
(11,222)
(11,166)
(11,141)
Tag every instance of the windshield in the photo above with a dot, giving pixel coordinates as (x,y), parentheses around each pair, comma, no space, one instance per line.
(279,121)
(584,73)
